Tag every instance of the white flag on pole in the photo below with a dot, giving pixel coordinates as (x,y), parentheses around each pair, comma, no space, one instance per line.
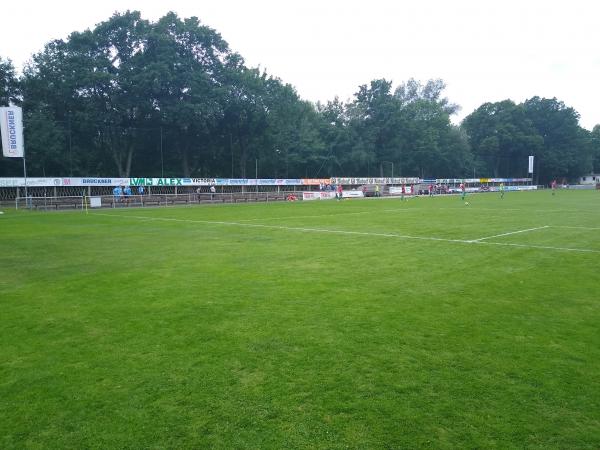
(530,164)
(11,128)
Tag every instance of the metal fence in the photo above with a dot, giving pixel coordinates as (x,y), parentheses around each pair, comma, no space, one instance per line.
(150,200)
(13,193)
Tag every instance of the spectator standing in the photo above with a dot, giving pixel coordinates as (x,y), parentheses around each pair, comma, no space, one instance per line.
(127,192)
(117,192)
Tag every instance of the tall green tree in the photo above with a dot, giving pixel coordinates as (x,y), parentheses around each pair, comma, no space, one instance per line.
(337,136)
(595,144)
(429,145)
(405,133)
(126,79)
(77,84)
(181,71)
(373,116)
(566,151)
(502,136)
(9,84)
(245,115)
(294,146)
(45,146)
(9,93)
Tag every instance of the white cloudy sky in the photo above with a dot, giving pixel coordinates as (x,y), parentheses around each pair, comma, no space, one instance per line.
(483,50)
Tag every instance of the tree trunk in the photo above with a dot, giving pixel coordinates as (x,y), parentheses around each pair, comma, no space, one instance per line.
(243,159)
(243,155)
(185,160)
(497,168)
(114,151)
(129,159)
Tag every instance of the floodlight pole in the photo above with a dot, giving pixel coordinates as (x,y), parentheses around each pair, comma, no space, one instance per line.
(382,171)
(162,165)
(25,176)
(70,149)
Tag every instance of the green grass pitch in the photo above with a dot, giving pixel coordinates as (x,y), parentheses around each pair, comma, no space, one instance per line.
(370,323)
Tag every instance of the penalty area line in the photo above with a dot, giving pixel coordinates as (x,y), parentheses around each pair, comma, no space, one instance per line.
(349,233)
(575,228)
(307,216)
(286,228)
(509,233)
(540,247)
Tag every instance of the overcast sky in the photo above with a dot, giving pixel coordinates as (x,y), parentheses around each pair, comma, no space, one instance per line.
(485,51)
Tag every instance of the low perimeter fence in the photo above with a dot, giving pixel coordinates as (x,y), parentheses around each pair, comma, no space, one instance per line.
(123,201)
(45,202)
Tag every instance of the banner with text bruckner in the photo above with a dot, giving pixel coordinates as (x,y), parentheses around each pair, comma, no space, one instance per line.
(11,129)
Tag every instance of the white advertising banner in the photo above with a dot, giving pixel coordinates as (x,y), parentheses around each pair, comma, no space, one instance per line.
(310,196)
(369,180)
(521,188)
(63,182)
(397,190)
(94,181)
(530,164)
(34,182)
(352,194)
(11,128)
(318,195)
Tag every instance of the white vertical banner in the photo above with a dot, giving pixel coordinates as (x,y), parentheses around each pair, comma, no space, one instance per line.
(530,164)
(11,128)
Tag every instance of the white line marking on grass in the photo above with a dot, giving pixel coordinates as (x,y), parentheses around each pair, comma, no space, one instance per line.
(401,210)
(542,247)
(352,233)
(306,217)
(477,208)
(285,228)
(323,215)
(575,228)
(562,211)
(509,233)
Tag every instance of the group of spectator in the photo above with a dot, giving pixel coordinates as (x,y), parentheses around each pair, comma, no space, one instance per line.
(367,190)
(332,187)
(327,187)
(122,194)
(212,190)
(438,189)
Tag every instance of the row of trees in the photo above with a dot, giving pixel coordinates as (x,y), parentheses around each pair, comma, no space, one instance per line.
(136,98)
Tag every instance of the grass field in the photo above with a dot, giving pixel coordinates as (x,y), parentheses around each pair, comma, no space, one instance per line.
(367,323)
